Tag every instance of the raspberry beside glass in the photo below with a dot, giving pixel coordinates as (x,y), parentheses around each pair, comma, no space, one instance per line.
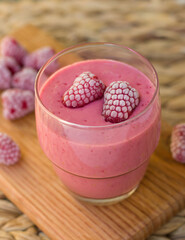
(98,161)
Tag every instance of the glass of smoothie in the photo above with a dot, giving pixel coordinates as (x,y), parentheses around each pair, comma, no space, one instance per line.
(98,161)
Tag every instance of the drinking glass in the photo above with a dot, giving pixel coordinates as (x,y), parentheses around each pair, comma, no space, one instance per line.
(94,167)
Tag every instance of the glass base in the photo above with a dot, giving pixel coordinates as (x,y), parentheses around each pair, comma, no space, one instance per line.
(105,201)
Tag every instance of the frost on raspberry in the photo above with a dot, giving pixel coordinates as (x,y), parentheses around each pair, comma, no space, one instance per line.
(5,76)
(11,48)
(25,79)
(8,66)
(17,103)
(39,57)
(120,99)
(85,89)
(11,64)
(178,143)
(9,150)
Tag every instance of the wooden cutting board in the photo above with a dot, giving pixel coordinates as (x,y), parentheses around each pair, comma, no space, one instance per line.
(33,186)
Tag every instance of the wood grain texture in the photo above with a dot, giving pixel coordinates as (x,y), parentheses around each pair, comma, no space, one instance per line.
(33,186)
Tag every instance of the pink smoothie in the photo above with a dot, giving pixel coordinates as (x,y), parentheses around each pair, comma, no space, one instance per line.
(94,158)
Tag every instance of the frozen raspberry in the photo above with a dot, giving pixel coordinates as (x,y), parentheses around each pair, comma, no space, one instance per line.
(30,60)
(85,89)
(11,48)
(25,79)
(10,63)
(17,103)
(39,57)
(5,76)
(120,99)
(178,143)
(9,150)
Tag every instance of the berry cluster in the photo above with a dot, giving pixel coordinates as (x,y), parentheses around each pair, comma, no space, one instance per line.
(18,70)
(120,99)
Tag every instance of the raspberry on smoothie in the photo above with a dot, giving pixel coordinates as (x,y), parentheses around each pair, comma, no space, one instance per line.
(120,100)
(85,89)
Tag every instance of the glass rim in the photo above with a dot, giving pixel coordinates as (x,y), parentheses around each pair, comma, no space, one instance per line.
(85,45)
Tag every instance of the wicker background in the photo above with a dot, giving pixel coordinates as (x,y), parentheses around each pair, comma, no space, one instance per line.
(155,28)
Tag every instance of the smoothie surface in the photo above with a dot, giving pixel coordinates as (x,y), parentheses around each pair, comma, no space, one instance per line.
(107,71)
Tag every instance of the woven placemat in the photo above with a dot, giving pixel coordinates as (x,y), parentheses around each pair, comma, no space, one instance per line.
(16,225)
(155,28)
